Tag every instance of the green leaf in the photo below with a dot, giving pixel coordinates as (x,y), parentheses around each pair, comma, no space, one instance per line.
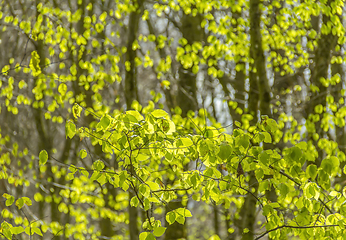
(267,137)
(225,151)
(84,172)
(142,157)
(153,186)
(144,190)
(143,235)
(180,219)
(159,231)
(27,201)
(43,157)
(72,168)
(29,231)
(311,190)
(330,165)
(158,113)
(83,153)
(171,127)
(98,165)
(102,179)
(302,145)
(95,176)
(283,189)
(214,237)
(183,212)
(136,114)
(311,171)
(295,154)
(259,174)
(76,110)
(70,129)
(134,201)
(37,231)
(10,199)
(187,142)
(17,230)
(7,233)
(272,124)
(170,217)
(104,122)
(146,236)
(264,158)
(19,203)
(243,141)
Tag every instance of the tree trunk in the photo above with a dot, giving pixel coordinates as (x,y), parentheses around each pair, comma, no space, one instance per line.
(133,215)
(216,220)
(239,83)
(131,88)
(258,80)
(187,89)
(322,57)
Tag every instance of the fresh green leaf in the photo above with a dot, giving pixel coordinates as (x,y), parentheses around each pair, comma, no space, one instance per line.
(171,217)
(17,230)
(158,113)
(83,153)
(159,231)
(43,157)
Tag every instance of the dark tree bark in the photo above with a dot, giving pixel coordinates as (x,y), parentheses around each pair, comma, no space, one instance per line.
(322,57)
(258,80)
(187,89)
(131,87)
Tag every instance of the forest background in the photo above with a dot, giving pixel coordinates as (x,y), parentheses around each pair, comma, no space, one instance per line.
(170,119)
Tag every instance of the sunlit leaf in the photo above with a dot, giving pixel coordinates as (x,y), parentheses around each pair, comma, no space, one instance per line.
(43,157)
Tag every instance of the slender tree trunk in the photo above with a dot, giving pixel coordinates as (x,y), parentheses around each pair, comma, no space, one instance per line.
(247,211)
(239,83)
(186,100)
(216,220)
(133,215)
(339,100)
(322,57)
(258,79)
(187,89)
(45,143)
(131,87)
(340,132)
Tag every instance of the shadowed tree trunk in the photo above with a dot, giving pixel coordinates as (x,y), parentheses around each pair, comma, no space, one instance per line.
(186,100)
(131,88)
(339,99)
(187,89)
(216,220)
(131,93)
(133,216)
(258,80)
(45,142)
(239,83)
(322,57)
